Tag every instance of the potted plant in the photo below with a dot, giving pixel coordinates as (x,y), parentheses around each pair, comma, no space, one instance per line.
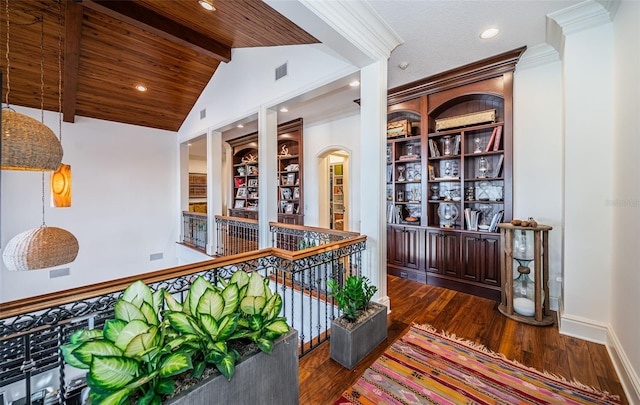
(141,353)
(362,325)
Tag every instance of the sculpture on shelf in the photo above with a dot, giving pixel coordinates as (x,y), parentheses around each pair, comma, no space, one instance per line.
(284,151)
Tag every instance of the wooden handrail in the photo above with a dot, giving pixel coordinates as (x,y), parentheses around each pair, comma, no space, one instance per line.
(196,214)
(313,229)
(236,219)
(44,301)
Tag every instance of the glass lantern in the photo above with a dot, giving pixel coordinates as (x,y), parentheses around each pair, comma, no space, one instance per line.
(483,168)
(448,145)
(525,273)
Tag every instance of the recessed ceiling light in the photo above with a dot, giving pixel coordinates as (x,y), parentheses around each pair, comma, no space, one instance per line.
(240,126)
(354,83)
(284,109)
(206,5)
(489,33)
(141,87)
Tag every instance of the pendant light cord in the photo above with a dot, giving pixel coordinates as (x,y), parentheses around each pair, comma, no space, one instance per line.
(7,56)
(60,70)
(42,69)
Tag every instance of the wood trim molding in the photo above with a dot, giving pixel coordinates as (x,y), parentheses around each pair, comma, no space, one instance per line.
(480,70)
(150,21)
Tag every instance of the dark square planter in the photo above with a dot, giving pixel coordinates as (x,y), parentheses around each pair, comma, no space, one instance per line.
(350,345)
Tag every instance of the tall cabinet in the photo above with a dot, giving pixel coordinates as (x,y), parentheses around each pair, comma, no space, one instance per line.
(244,196)
(449,175)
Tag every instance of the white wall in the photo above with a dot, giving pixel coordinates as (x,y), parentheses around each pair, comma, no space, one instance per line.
(342,134)
(624,201)
(124,206)
(197,165)
(538,154)
(239,87)
(587,63)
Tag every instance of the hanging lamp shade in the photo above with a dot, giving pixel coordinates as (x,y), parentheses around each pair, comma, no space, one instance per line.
(28,144)
(40,248)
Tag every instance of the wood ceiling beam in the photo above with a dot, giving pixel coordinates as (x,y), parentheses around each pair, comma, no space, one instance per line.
(72,35)
(150,21)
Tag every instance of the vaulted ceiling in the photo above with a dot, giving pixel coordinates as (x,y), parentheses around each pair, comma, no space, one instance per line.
(108,48)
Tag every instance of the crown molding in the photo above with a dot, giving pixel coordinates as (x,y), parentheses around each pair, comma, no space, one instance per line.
(538,55)
(359,24)
(576,18)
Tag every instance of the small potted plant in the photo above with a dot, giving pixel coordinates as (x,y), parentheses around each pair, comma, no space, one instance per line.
(363,324)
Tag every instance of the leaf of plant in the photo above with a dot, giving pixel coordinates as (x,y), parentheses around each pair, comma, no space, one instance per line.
(256,285)
(113,372)
(112,328)
(210,325)
(70,358)
(84,335)
(87,350)
(240,277)
(149,314)
(227,366)
(265,345)
(244,333)
(256,322)
(231,297)
(211,303)
(115,398)
(166,386)
(198,369)
(279,325)
(251,305)
(127,311)
(228,325)
(142,343)
(215,357)
(268,307)
(174,364)
(171,302)
(147,398)
(133,329)
(197,289)
(137,293)
(183,323)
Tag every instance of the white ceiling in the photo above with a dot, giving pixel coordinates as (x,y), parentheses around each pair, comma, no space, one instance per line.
(438,35)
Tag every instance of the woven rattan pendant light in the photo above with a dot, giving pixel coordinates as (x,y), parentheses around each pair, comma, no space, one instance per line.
(27,144)
(45,246)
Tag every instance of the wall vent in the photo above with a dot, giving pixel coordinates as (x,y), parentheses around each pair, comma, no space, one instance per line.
(59,272)
(156,256)
(281,71)
(203,113)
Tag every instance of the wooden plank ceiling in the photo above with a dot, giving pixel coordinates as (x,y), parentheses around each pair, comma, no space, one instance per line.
(109,47)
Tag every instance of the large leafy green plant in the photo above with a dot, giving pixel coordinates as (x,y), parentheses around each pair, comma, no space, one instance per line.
(353,297)
(138,352)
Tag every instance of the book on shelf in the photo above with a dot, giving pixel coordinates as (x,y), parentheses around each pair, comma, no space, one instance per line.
(491,140)
(499,166)
(497,217)
(433,148)
(496,142)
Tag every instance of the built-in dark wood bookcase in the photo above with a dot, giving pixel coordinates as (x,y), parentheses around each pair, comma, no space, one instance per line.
(449,175)
(290,175)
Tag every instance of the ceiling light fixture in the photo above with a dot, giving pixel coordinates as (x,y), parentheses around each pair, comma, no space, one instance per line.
(284,110)
(27,144)
(489,33)
(354,83)
(206,5)
(403,65)
(141,87)
(240,126)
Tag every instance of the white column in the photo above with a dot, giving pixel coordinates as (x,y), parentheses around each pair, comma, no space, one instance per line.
(183,185)
(215,175)
(267,172)
(373,123)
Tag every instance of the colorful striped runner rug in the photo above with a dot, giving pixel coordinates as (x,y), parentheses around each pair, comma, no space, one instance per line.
(425,367)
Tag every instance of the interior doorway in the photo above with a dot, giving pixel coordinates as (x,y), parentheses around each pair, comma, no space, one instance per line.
(337,196)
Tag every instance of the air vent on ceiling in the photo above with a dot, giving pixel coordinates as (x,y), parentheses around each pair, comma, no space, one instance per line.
(203,113)
(281,71)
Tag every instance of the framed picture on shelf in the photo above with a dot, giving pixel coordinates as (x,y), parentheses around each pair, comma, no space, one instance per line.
(252,183)
(285,193)
(288,209)
(253,170)
(283,206)
(253,194)
(296,193)
(241,193)
(239,204)
(291,179)
(239,181)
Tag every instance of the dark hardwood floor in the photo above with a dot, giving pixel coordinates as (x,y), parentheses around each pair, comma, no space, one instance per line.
(322,380)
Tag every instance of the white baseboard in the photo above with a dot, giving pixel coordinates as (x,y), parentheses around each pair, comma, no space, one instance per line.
(596,332)
(627,375)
